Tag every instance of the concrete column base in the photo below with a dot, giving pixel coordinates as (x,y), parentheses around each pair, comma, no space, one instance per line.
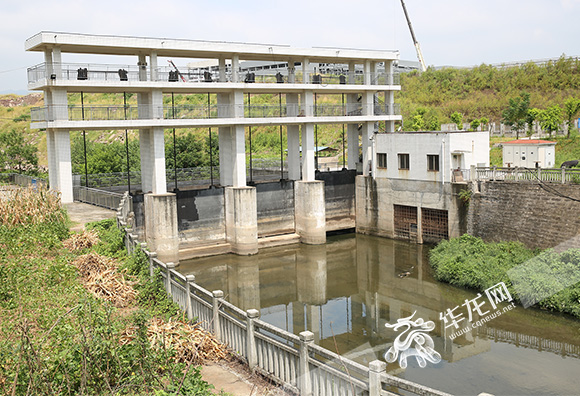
(241,220)
(161,231)
(310,211)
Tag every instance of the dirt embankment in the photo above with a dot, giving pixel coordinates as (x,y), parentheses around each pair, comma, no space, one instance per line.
(16,100)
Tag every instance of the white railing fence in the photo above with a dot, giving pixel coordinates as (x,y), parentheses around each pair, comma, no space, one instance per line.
(552,175)
(291,361)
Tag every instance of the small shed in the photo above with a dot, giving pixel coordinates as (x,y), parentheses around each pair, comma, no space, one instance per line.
(529,153)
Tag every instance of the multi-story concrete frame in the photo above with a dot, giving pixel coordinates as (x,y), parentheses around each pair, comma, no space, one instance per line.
(150,80)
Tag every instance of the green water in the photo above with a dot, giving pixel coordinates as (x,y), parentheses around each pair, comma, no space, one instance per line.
(347,290)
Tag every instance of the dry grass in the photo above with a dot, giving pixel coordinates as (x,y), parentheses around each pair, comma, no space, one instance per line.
(190,342)
(84,240)
(31,206)
(101,276)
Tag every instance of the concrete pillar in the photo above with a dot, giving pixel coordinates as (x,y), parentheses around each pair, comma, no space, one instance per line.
(291,72)
(236,68)
(293,132)
(63,165)
(225,150)
(146,160)
(367,131)
(308,154)
(157,147)
(239,159)
(51,157)
(352,129)
(310,211)
(161,226)
(390,96)
(367,72)
(153,67)
(222,70)
(142,63)
(241,220)
(306,71)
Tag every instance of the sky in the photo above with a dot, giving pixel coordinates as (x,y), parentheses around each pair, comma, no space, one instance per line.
(450,32)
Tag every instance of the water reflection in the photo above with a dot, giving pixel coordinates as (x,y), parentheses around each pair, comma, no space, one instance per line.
(345,292)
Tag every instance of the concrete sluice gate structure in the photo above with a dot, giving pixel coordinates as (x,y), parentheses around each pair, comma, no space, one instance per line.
(366,80)
(380,191)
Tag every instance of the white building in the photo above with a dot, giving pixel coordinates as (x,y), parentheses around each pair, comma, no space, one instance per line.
(529,153)
(429,156)
(413,193)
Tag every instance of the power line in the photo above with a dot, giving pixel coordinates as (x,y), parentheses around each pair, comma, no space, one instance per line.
(11,70)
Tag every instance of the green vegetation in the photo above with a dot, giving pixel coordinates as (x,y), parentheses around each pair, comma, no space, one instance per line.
(57,338)
(15,154)
(469,262)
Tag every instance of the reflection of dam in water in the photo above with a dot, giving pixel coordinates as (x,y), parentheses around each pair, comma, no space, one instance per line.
(345,292)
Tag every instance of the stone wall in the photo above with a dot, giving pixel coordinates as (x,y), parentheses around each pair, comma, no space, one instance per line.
(339,194)
(527,213)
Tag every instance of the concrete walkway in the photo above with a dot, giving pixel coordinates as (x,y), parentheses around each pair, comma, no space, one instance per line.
(82,213)
(219,376)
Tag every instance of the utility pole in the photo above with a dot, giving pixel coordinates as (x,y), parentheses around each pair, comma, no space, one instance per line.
(415,42)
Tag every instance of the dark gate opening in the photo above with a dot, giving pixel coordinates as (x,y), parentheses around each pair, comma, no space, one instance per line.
(435,225)
(405,221)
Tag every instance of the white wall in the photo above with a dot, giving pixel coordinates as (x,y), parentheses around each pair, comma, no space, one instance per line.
(471,147)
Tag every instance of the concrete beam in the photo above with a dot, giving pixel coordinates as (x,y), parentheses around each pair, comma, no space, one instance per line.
(241,219)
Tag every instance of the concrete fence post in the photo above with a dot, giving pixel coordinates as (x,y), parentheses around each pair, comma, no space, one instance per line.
(152,256)
(189,280)
(539,174)
(376,369)
(563,175)
(128,242)
(251,352)
(493,172)
(217,295)
(472,173)
(168,268)
(517,174)
(304,382)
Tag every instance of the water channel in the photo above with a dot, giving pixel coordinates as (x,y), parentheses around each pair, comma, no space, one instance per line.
(347,290)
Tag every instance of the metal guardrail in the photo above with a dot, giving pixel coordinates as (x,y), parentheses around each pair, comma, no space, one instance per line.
(105,199)
(287,359)
(23,180)
(120,112)
(119,73)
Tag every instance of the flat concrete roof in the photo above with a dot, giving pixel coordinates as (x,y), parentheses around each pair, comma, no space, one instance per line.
(124,45)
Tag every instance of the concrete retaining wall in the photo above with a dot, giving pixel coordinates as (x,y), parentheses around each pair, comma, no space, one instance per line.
(527,213)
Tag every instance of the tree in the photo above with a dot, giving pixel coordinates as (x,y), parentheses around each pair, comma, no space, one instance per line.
(550,119)
(474,124)
(457,119)
(516,113)
(531,116)
(188,150)
(571,110)
(16,154)
(484,121)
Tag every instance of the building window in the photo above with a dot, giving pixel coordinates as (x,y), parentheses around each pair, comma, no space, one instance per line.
(404,161)
(433,162)
(381,160)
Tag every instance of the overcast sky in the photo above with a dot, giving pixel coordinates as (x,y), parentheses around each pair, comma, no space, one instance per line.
(451,32)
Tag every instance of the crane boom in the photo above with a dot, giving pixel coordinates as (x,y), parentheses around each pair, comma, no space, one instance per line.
(415,42)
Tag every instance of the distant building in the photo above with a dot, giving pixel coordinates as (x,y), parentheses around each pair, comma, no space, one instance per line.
(529,153)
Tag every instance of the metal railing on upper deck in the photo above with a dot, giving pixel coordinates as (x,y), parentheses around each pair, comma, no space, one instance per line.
(121,112)
(120,73)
